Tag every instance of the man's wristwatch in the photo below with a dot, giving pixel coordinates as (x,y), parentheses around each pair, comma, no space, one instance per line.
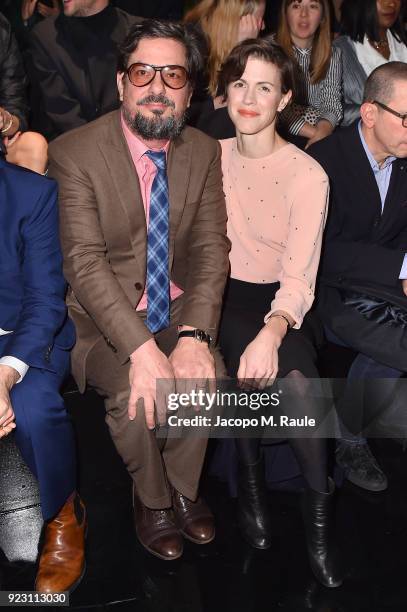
(198,334)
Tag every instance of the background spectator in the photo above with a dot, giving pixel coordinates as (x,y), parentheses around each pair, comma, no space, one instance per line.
(225,23)
(25,149)
(72,65)
(304,32)
(25,14)
(373,34)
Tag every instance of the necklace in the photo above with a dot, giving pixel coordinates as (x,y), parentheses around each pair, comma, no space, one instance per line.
(379,44)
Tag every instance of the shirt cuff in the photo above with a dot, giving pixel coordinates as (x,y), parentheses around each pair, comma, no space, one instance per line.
(403,272)
(287,309)
(295,126)
(17,364)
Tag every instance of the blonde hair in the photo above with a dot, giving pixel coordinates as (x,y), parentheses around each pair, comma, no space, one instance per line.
(321,46)
(219,20)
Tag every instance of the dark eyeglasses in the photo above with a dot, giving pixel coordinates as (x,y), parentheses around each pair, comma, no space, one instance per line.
(175,77)
(402,116)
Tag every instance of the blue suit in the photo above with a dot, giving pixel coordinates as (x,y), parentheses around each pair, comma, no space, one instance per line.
(32,305)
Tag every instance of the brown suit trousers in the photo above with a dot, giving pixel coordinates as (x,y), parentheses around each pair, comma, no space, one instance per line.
(152,462)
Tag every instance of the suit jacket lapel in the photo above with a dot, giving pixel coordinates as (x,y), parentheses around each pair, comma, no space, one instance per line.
(179,172)
(362,180)
(70,58)
(396,195)
(124,177)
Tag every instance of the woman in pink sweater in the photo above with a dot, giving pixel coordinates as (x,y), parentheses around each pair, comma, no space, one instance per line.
(276,197)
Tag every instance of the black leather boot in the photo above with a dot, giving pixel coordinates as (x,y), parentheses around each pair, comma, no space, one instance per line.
(318,519)
(253,514)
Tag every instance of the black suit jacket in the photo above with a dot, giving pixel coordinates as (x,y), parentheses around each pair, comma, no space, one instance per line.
(73,71)
(361,243)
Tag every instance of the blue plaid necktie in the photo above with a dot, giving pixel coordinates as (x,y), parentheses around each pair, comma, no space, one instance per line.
(158,282)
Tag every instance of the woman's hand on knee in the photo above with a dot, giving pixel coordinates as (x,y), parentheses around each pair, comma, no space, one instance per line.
(259,362)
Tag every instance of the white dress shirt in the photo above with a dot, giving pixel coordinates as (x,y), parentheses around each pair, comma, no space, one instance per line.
(13,362)
(370,58)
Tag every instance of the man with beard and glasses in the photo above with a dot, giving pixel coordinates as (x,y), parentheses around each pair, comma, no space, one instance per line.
(143,228)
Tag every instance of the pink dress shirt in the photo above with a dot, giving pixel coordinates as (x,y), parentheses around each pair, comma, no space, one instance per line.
(146,171)
(277,209)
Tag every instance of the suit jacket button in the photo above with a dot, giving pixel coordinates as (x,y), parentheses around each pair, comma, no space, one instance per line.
(138,286)
(376,223)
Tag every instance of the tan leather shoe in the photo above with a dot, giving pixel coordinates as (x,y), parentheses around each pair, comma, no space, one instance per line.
(157,531)
(62,560)
(194,519)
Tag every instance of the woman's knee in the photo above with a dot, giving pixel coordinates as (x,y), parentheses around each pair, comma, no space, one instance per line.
(29,151)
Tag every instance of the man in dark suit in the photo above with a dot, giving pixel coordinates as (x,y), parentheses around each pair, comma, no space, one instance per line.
(35,339)
(71,62)
(143,228)
(365,245)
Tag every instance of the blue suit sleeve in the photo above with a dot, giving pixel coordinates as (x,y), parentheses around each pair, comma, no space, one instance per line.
(43,309)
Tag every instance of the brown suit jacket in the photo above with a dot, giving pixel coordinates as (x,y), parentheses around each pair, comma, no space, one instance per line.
(104,235)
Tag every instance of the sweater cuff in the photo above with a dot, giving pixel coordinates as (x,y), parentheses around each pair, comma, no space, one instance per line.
(281,305)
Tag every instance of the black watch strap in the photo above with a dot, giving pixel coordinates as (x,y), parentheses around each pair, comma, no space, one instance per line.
(198,334)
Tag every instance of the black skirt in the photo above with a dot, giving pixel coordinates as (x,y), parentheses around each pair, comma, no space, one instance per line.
(245,306)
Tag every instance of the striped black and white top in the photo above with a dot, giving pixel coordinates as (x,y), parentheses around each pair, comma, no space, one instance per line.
(315,101)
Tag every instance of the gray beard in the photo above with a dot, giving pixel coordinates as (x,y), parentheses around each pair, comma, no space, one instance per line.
(155,128)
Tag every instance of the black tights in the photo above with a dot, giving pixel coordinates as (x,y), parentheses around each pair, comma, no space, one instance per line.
(311,453)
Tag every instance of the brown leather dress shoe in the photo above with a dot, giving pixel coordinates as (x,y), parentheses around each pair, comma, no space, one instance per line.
(157,531)
(62,560)
(194,519)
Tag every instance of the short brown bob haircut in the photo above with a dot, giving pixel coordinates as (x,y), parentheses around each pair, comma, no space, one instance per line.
(260,48)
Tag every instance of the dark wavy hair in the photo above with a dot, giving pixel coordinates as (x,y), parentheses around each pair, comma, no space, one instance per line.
(359,19)
(261,48)
(187,34)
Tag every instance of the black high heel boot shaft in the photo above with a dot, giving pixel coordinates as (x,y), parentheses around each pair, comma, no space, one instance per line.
(253,514)
(317,511)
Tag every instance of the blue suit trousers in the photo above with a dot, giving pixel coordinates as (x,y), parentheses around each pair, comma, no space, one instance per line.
(44,432)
